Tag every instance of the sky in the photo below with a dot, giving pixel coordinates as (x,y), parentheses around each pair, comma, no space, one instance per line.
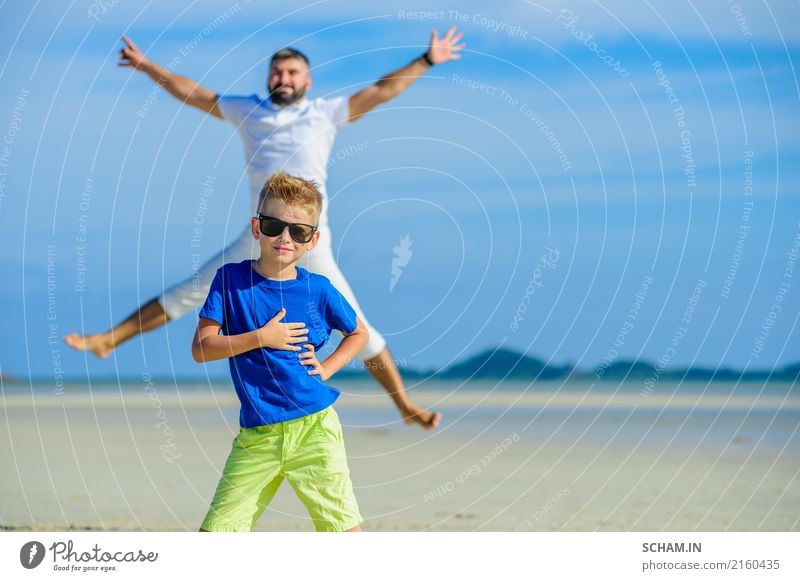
(592,181)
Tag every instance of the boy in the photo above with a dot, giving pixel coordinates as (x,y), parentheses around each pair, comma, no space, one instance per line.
(288,427)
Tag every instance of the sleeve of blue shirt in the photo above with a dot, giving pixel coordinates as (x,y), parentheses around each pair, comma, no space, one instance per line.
(337,311)
(213,307)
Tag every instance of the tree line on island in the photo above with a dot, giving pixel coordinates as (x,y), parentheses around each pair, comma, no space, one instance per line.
(504,363)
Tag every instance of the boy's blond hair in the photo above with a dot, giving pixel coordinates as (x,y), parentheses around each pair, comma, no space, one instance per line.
(292,191)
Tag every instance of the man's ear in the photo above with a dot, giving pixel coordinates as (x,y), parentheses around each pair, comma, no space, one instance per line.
(255,228)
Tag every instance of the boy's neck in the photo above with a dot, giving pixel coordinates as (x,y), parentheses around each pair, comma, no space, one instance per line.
(275,271)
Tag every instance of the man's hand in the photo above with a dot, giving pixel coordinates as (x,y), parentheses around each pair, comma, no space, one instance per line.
(283,336)
(445,49)
(182,88)
(132,56)
(388,87)
(309,358)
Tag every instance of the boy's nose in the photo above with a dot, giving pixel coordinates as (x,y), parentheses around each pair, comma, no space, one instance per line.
(285,236)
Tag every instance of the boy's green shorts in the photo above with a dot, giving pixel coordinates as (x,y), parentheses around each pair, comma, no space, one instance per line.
(308,452)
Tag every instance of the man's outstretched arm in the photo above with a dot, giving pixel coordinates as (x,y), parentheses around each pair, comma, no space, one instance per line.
(439,50)
(182,88)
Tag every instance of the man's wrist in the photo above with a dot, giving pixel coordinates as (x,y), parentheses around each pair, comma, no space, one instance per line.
(156,72)
(148,67)
(426,58)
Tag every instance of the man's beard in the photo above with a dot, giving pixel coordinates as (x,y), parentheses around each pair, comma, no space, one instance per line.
(284,99)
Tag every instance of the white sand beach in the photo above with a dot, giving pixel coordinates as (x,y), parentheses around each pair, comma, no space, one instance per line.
(148,458)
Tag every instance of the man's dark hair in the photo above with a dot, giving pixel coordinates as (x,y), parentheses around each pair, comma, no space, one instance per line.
(289,53)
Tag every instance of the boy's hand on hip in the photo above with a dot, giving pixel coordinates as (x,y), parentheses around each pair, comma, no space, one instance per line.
(284,336)
(309,358)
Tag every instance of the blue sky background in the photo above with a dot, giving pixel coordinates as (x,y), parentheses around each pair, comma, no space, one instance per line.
(467,174)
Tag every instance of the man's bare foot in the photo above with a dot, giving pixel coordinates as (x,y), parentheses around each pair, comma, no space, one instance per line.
(100,345)
(414,414)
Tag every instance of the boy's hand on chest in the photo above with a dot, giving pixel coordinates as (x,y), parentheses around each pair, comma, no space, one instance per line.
(279,334)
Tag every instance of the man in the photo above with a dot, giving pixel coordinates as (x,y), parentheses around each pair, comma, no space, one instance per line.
(291,133)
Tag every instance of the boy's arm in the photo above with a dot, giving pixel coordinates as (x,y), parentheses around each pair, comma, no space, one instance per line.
(209,345)
(341,356)
(182,88)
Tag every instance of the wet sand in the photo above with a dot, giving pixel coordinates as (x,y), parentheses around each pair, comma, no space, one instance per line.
(149,459)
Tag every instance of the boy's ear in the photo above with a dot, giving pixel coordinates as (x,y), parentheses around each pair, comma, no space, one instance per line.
(313,242)
(255,229)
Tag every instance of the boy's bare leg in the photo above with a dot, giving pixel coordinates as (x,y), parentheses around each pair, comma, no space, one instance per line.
(384,370)
(149,316)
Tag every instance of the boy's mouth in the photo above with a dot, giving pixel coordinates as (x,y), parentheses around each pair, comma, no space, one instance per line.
(282,249)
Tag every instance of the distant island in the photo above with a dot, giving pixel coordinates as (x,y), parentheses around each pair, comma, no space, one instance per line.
(504,363)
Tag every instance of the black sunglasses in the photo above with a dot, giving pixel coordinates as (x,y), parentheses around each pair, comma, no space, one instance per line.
(272,227)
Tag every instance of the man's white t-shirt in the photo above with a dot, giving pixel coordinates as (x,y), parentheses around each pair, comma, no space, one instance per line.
(296,139)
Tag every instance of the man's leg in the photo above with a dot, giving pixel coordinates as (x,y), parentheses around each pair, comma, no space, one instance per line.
(377,358)
(384,370)
(173,304)
(149,316)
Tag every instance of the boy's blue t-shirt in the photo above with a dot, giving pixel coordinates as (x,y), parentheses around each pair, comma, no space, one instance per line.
(271,384)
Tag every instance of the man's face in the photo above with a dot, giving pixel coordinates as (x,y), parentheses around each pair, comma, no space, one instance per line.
(288,81)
